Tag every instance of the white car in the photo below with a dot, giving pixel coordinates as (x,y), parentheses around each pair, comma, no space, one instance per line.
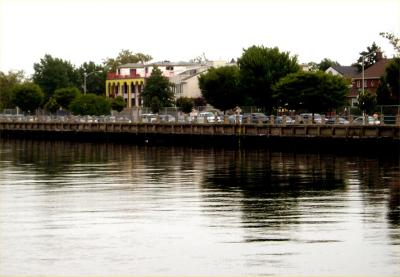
(371,121)
(209,116)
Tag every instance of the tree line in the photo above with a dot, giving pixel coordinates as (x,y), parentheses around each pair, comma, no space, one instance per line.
(272,79)
(58,84)
(264,77)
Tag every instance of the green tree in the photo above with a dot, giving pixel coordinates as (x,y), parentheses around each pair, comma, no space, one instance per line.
(368,60)
(366,101)
(199,101)
(185,103)
(155,104)
(7,84)
(118,104)
(388,92)
(90,104)
(53,73)
(394,41)
(158,86)
(311,91)
(124,57)
(96,81)
(64,96)
(220,87)
(27,96)
(260,68)
(52,105)
(326,63)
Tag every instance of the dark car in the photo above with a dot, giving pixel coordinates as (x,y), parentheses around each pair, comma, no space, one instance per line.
(255,118)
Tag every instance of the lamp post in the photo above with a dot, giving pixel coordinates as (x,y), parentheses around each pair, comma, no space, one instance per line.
(85,75)
(362,70)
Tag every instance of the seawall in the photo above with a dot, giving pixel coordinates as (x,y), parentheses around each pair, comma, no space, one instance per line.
(325,137)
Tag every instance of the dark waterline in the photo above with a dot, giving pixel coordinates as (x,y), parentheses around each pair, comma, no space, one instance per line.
(111,209)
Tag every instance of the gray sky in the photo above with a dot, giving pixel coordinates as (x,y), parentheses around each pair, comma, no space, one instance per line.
(92,30)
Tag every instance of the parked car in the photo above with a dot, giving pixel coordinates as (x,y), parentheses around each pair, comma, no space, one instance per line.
(234,118)
(167,118)
(255,118)
(148,117)
(341,121)
(305,117)
(371,121)
(206,117)
(279,120)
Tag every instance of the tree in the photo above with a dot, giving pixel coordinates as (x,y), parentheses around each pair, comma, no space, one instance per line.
(96,82)
(368,60)
(27,96)
(199,101)
(185,103)
(366,101)
(199,59)
(260,68)
(220,87)
(52,105)
(53,73)
(158,86)
(311,91)
(395,41)
(7,84)
(326,63)
(388,92)
(64,96)
(124,57)
(90,104)
(118,103)
(155,104)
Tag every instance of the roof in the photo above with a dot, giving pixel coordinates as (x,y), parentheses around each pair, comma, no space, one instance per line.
(375,71)
(164,63)
(346,71)
(131,65)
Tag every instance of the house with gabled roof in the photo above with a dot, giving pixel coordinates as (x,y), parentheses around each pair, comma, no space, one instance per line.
(372,78)
(347,72)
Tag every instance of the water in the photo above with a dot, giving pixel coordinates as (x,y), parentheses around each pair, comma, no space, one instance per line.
(105,209)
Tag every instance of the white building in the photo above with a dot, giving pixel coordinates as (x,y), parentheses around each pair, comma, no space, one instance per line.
(129,79)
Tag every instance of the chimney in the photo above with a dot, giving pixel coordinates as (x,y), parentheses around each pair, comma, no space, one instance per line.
(379,55)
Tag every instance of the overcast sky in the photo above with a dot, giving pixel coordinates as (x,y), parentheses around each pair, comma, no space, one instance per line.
(92,30)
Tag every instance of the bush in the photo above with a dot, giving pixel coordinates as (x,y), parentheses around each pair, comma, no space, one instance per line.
(90,104)
(27,96)
(185,103)
(64,96)
(118,103)
(52,105)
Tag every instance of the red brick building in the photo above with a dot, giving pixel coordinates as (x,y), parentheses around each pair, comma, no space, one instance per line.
(372,76)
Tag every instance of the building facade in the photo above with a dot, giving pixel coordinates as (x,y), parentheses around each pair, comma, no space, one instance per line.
(129,79)
(372,78)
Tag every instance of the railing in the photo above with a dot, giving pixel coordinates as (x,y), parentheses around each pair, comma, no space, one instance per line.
(114,76)
(209,118)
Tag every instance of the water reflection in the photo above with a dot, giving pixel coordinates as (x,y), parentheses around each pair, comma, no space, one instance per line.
(132,210)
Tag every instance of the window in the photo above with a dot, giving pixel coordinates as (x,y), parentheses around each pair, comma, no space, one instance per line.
(372,83)
(358,84)
(169,68)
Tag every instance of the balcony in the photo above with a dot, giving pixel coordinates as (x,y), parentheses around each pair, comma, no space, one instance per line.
(115,76)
